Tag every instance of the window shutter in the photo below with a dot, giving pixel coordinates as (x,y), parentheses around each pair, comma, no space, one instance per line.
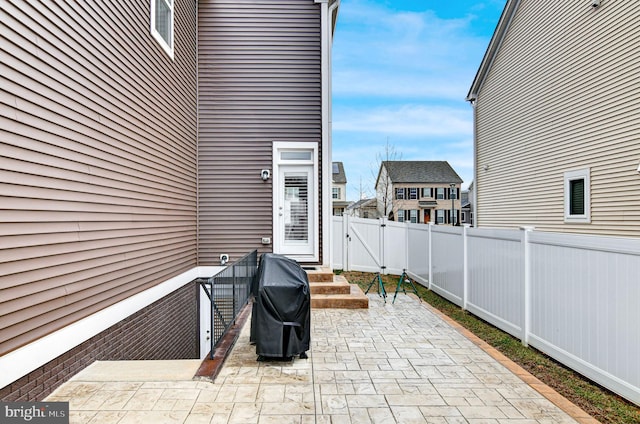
(576,197)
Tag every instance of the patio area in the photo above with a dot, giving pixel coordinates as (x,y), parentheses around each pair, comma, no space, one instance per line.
(401,362)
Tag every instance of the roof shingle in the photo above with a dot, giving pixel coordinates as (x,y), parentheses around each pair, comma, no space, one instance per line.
(416,171)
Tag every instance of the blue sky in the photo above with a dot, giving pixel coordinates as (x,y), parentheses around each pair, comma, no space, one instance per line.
(401,72)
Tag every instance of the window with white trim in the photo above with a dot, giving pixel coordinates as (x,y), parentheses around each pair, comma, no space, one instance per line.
(453,216)
(400,215)
(577,196)
(439,216)
(413,193)
(335,192)
(440,193)
(426,192)
(453,193)
(413,216)
(400,193)
(162,24)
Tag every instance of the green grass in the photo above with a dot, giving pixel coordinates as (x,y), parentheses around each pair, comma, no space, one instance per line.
(597,401)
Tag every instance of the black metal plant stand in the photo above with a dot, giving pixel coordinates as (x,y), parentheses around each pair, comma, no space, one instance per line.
(404,279)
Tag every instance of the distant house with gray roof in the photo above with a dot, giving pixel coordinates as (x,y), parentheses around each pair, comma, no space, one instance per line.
(363,208)
(338,188)
(419,192)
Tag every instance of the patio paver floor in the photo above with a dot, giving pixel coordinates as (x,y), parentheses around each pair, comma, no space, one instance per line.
(390,363)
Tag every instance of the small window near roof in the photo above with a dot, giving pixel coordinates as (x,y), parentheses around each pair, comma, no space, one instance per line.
(577,199)
(162,24)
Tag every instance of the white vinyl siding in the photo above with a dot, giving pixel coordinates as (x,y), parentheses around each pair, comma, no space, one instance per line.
(559,101)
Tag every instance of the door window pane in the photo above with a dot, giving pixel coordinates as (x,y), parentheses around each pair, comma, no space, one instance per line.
(296,208)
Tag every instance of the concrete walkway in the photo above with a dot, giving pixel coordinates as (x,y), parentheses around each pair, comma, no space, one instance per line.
(399,363)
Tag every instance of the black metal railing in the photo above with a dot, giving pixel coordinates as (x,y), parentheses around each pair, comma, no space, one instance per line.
(229,291)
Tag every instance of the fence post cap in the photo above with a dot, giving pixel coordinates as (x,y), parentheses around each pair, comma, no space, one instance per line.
(527,227)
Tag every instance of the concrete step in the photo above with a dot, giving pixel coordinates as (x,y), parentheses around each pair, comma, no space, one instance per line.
(339,285)
(356,299)
(318,274)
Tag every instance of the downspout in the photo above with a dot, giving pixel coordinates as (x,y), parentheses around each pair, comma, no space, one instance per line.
(197,138)
(474,202)
(326,20)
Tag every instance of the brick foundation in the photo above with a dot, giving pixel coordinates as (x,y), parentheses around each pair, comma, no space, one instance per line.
(166,329)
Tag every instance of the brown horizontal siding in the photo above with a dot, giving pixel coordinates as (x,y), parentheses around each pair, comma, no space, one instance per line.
(557,101)
(97,160)
(259,82)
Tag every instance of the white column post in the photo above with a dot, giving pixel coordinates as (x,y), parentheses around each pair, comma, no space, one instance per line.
(526,301)
(383,228)
(465,266)
(430,254)
(345,242)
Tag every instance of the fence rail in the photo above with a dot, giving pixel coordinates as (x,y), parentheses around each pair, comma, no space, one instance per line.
(574,297)
(228,292)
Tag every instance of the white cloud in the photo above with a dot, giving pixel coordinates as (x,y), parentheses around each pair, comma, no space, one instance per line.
(379,52)
(408,120)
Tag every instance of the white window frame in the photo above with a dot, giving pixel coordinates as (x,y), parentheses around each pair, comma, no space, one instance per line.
(439,216)
(400,215)
(453,193)
(399,194)
(579,174)
(413,216)
(335,193)
(413,193)
(167,47)
(438,191)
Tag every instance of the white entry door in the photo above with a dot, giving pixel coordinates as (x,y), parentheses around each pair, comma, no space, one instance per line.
(295,204)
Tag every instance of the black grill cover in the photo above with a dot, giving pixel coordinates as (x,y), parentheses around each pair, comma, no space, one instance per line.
(281,314)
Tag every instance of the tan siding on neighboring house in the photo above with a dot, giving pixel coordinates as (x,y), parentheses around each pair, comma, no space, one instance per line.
(97,160)
(562,95)
(259,82)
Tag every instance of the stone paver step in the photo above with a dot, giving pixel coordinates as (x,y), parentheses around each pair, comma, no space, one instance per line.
(356,299)
(319,274)
(339,285)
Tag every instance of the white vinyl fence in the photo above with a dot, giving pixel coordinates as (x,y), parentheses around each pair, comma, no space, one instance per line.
(574,297)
